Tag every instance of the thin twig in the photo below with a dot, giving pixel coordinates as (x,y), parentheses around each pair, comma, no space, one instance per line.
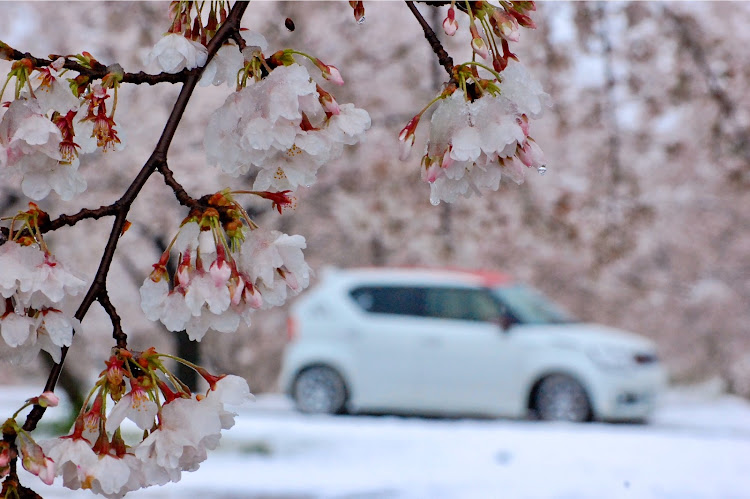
(99,70)
(444,59)
(63,220)
(182,196)
(117,333)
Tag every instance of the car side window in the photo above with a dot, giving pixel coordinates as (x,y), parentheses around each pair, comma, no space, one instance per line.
(462,304)
(399,300)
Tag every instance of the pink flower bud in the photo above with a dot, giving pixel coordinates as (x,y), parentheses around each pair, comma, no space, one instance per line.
(479,47)
(328,102)
(333,75)
(330,73)
(236,289)
(531,154)
(431,169)
(220,272)
(407,141)
(48,399)
(447,161)
(359,11)
(252,297)
(450,25)
(523,122)
(406,137)
(505,26)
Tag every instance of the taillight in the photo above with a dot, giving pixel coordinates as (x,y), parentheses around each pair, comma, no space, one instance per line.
(291,329)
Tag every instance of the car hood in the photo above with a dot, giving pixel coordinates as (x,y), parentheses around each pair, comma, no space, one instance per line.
(582,335)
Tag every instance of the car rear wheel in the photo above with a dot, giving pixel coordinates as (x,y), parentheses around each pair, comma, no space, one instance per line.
(561,398)
(320,390)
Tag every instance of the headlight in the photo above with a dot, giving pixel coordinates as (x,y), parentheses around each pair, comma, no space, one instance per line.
(610,357)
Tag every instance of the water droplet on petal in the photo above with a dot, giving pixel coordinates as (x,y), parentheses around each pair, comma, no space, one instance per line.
(542,170)
(361,20)
(434,202)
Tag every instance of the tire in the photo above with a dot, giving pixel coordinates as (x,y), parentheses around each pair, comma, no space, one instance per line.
(320,390)
(561,398)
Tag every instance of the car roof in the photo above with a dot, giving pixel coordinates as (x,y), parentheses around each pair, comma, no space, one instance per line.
(418,275)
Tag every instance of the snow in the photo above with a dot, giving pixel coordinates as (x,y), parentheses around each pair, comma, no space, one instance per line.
(696,446)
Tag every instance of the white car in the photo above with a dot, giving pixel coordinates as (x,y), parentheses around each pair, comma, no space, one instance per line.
(431,341)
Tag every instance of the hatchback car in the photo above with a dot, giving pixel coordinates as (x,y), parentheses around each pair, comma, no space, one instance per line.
(427,341)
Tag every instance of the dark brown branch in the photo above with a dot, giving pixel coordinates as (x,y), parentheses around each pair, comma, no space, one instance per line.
(63,220)
(444,59)
(182,196)
(99,70)
(158,157)
(117,333)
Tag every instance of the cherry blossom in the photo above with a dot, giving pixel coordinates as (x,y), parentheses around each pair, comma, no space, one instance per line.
(223,276)
(54,93)
(223,67)
(177,433)
(173,52)
(279,126)
(30,148)
(275,264)
(229,60)
(473,143)
(136,406)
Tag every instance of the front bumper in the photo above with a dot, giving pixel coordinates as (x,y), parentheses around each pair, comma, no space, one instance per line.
(629,394)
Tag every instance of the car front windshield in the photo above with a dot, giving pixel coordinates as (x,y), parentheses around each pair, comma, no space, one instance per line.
(528,306)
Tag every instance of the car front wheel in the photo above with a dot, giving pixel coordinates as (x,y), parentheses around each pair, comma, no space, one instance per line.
(561,398)
(319,390)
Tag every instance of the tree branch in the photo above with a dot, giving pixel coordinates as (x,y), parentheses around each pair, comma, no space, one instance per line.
(63,220)
(158,157)
(444,59)
(182,196)
(99,70)
(117,332)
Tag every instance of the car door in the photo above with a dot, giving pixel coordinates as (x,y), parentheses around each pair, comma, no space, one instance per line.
(469,363)
(383,343)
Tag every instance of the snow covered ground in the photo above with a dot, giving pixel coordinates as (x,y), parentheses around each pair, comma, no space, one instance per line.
(697,446)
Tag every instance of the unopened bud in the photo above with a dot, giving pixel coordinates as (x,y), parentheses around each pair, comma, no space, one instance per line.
(504,25)
(479,47)
(450,25)
(328,102)
(48,399)
(331,73)
(406,137)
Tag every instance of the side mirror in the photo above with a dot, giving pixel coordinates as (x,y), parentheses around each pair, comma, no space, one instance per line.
(505,322)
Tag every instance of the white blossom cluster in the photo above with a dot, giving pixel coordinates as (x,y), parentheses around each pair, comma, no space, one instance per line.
(186,428)
(215,289)
(41,152)
(34,287)
(472,144)
(279,127)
